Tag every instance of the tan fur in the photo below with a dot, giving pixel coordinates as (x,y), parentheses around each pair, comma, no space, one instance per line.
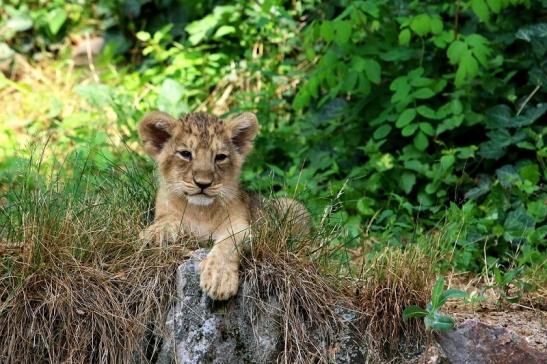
(219,209)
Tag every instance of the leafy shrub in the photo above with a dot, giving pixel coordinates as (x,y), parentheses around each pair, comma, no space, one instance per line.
(412,116)
(436,104)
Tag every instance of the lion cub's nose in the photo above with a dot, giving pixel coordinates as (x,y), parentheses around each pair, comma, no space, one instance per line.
(202,184)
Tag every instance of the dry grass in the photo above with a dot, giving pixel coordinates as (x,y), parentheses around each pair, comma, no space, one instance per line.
(76,285)
(297,272)
(393,280)
(278,269)
(85,314)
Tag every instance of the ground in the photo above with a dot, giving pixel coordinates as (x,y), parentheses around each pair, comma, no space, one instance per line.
(528,318)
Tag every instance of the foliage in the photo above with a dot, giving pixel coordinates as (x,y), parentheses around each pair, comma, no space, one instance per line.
(412,86)
(510,284)
(36,26)
(433,319)
(412,116)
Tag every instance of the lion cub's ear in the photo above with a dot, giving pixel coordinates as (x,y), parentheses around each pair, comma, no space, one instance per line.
(243,129)
(155,129)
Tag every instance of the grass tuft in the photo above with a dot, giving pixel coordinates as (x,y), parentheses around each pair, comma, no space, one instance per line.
(76,285)
(282,268)
(391,281)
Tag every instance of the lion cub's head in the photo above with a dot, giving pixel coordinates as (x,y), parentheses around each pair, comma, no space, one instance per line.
(199,156)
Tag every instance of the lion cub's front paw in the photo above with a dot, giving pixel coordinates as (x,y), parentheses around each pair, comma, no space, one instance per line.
(219,279)
(160,233)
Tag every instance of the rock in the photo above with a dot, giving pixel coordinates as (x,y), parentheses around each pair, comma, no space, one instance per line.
(200,330)
(475,342)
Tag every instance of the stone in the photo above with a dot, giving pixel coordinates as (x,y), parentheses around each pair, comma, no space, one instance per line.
(200,330)
(474,342)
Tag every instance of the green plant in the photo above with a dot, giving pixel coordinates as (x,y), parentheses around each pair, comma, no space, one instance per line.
(510,284)
(433,319)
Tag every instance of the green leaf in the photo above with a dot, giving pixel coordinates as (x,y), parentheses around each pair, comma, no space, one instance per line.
(481,9)
(420,141)
(404,37)
(143,36)
(439,322)
(536,35)
(479,48)
(517,224)
(414,311)
(405,118)
(342,32)
(327,31)
(492,150)
(501,116)
(530,116)
(424,93)
(365,206)
(224,30)
(382,132)
(407,181)
(401,87)
(470,64)
(459,79)
(450,124)
(426,111)
(421,24)
(507,176)
(373,70)
(409,130)
(427,129)
(301,99)
(455,51)
(200,29)
(530,172)
(456,106)
(171,90)
(447,161)
(420,81)
(538,210)
(436,25)
(495,5)
(55,19)
(451,293)
(481,190)
(498,116)
(530,32)
(436,293)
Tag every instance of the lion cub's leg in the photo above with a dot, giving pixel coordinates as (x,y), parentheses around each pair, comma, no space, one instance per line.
(163,231)
(167,226)
(220,269)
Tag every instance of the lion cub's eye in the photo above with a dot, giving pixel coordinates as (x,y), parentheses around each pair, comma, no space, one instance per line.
(220,157)
(185,154)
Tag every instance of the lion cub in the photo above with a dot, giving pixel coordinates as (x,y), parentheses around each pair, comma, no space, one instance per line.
(199,158)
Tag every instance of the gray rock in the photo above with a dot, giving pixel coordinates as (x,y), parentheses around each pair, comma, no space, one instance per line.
(200,330)
(477,343)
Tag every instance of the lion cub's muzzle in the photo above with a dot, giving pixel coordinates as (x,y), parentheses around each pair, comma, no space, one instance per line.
(204,197)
